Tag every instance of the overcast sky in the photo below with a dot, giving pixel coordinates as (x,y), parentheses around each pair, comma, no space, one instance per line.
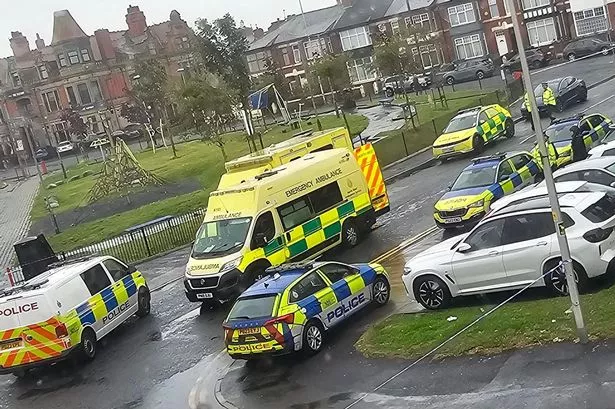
(36,16)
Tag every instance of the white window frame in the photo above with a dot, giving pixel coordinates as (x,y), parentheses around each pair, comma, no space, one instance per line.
(318,46)
(296,54)
(286,56)
(534,4)
(419,20)
(259,59)
(466,10)
(47,102)
(590,21)
(430,51)
(469,43)
(534,29)
(75,54)
(395,26)
(493,8)
(85,55)
(358,72)
(42,72)
(354,38)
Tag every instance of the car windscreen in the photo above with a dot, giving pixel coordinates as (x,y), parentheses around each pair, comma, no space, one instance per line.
(602,210)
(560,132)
(460,123)
(252,308)
(220,237)
(475,177)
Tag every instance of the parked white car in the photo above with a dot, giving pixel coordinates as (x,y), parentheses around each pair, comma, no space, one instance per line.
(599,170)
(513,246)
(66,146)
(607,146)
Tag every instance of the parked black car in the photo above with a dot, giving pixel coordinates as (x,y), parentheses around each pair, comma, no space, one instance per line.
(567,90)
(587,46)
(535,59)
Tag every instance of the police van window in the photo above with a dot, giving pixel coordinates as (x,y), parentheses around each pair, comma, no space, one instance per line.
(310,284)
(505,170)
(96,279)
(323,148)
(335,272)
(520,161)
(115,269)
(295,213)
(264,228)
(326,197)
(595,120)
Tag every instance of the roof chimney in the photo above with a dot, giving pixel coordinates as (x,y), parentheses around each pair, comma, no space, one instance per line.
(40,43)
(135,19)
(105,45)
(258,33)
(19,44)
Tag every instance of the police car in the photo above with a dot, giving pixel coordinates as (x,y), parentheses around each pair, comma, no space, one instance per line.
(471,129)
(292,308)
(67,309)
(481,183)
(594,128)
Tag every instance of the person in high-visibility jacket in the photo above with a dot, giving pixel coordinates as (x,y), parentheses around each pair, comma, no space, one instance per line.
(548,99)
(528,107)
(553,155)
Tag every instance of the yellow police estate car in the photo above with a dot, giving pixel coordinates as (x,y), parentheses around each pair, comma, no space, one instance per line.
(471,129)
(485,180)
(594,127)
(291,308)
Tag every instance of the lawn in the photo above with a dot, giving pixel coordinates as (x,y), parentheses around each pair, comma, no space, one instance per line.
(515,325)
(196,159)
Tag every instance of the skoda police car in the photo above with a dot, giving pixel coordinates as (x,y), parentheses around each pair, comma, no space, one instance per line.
(594,128)
(485,180)
(291,308)
(471,129)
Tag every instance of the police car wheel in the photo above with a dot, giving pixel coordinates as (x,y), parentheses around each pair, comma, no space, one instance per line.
(88,344)
(509,128)
(144,303)
(313,338)
(350,234)
(381,291)
(478,144)
(431,293)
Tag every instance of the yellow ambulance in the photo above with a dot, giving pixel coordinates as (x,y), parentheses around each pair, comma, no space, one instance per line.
(292,212)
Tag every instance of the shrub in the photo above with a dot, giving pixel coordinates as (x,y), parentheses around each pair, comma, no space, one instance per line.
(52,186)
(75,177)
(87,173)
(59,183)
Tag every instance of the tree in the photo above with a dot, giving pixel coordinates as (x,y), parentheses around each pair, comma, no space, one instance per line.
(207,107)
(331,72)
(76,124)
(272,75)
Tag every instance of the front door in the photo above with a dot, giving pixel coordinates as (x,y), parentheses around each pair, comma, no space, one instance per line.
(500,40)
(481,266)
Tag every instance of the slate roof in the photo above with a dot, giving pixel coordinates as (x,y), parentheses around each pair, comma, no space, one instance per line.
(362,12)
(401,6)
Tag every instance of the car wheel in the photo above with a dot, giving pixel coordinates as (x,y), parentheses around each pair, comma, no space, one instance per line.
(509,128)
(571,57)
(389,92)
(431,292)
(556,279)
(87,347)
(559,106)
(480,75)
(478,144)
(605,50)
(350,234)
(313,338)
(583,95)
(450,80)
(144,303)
(536,64)
(381,291)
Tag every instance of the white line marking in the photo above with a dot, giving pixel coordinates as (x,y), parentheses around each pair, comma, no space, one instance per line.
(527,139)
(598,103)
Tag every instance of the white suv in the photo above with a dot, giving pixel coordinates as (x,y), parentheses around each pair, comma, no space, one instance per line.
(515,245)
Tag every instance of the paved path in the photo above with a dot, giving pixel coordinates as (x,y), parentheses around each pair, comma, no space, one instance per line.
(15,203)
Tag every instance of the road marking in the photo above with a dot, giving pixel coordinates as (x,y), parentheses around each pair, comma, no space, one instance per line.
(405,244)
(527,139)
(598,103)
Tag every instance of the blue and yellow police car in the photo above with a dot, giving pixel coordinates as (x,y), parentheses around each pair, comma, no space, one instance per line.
(292,308)
(485,180)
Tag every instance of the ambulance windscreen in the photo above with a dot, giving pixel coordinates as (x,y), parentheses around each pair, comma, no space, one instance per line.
(220,237)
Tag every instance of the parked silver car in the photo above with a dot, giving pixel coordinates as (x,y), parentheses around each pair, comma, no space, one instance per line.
(464,70)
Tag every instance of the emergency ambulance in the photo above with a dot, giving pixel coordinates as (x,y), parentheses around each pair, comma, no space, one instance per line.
(291,212)
(67,309)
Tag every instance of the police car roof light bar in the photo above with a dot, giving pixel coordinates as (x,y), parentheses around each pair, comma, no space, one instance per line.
(496,156)
(282,268)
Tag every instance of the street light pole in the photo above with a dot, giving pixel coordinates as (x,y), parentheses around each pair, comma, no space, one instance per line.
(550,184)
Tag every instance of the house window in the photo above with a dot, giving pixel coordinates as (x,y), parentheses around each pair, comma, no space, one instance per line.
(94,126)
(85,55)
(16,80)
(315,48)
(286,56)
(469,47)
(590,21)
(532,4)
(84,94)
(62,60)
(362,69)
(72,98)
(428,54)
(60,132)
(42,72)
(257,62)
(355,38)
(395,26)
(493,8)
(296,53)
(541,32)
(461,14)
(95,91)
(52,101)
(73,57)
(418,20)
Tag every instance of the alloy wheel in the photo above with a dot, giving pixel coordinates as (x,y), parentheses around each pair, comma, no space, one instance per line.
(381,292)
(352,236)
(431,293)
(314,338)
(559,282)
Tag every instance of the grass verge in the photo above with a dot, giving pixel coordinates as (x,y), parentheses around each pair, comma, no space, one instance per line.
(515,325)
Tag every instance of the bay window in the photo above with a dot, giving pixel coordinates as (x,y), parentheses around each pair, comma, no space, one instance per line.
(362,69)
(541,32)
(355,38)
(461,14)
(469,47)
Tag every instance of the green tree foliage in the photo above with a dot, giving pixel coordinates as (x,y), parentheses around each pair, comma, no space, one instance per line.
(76,124)
(333,72)
(272,75)
(149,92)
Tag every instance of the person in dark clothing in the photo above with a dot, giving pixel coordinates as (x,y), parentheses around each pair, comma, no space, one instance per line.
(579,150)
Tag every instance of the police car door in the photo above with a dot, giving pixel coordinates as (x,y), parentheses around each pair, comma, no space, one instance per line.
(125,291)
(525,170)
(95,310)
(350,290)
(316,298)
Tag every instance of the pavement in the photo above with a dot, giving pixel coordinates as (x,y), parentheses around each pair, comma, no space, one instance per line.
(174,358)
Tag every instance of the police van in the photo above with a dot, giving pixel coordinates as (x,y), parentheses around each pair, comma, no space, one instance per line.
(67,309)
(284,152)
(292,212)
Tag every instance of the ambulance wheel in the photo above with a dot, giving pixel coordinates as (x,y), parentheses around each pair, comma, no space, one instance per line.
(21,374)
(478,144)
(381,291)
(350,234)
(87,346)
(509,128)
(313,338)
(144,303)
